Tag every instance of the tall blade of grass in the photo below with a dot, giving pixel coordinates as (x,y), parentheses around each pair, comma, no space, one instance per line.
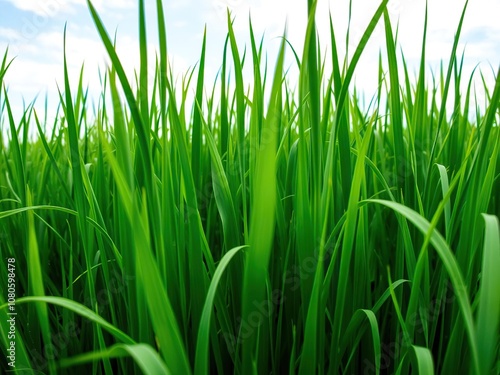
(303,214)
(444,95)
(173,275)
(82,204)
(140,127)
(303,201)
(53,161)
(230,227)
(222,193)
(224,121)
(444,188)
(488,122)
(37,285)
(159,306)
(160,309)
(336,74)
(257,109)
(262,219)
(488,311)
(458,131)
(478,184)
(341,127)
(18,172)
(346,255)
(196,146)
(309,85)
(240,119)
(143,75)
(257,116)
(152,191)
(198,245)
(125,160)
(198,248)
(395,106)
(162,90)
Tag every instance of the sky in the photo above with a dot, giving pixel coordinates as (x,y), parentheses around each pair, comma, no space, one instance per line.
(33,32)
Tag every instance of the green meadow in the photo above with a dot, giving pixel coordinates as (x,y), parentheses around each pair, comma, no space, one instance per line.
(269,227)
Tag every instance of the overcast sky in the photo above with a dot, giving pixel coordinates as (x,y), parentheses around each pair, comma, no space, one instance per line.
(33,30)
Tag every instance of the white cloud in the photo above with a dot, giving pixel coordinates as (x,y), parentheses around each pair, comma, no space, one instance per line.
(45,8)
(7,33)
(106,5)
(52,8)
(177,4)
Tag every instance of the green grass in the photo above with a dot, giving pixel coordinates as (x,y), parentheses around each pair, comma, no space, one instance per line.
(260,231)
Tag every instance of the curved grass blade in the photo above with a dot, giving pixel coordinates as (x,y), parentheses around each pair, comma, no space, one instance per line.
(222,193)
(450,264)
(81,310)
(201,359)
(357,319)
(144,355)
(421,358)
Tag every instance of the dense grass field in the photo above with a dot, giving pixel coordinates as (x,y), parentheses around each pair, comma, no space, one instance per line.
(269,228)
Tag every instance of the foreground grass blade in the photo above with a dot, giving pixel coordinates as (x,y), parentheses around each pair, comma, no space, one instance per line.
(421,358)
(81,310)
(201,360)
(37,285)
(262,219)
(347,248)
(488,312)
(160,310)
(356,320)
(144,355)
